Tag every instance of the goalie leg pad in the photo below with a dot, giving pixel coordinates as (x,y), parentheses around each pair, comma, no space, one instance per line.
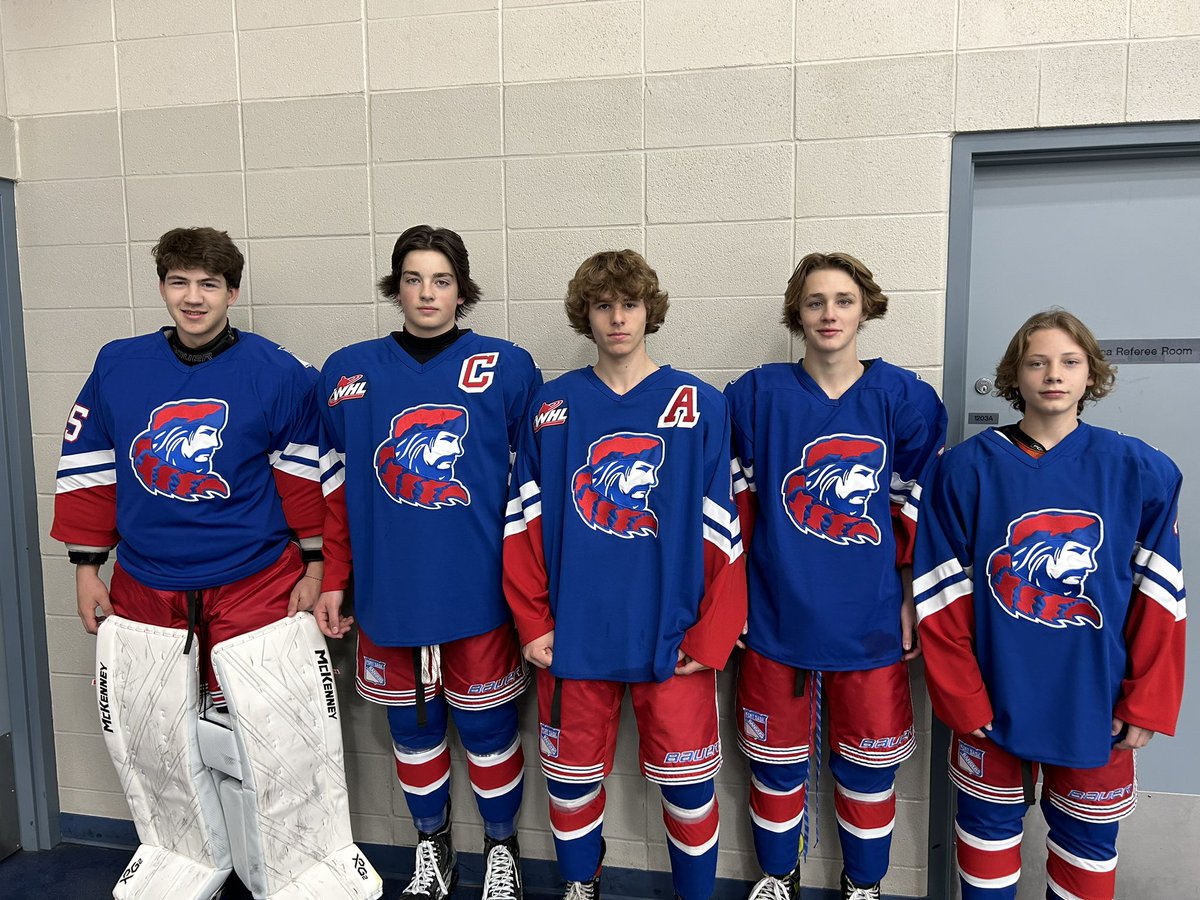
(288,789)
(148,695)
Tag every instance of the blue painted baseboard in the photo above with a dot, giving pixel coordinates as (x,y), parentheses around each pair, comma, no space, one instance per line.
(541,875)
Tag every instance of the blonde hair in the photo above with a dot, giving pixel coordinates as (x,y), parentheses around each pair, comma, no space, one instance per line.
(1103,374)
(874,301)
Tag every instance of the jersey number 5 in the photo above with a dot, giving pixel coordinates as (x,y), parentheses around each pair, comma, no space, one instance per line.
(75,422)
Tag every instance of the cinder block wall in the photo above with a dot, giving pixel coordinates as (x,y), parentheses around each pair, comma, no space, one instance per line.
(722,138)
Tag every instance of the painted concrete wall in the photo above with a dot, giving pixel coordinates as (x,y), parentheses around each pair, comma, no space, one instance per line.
(723,139)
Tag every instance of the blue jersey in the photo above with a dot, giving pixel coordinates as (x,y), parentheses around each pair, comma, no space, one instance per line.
(829,493)
(1050,592)
(622,536)
(415,460)
(197,471)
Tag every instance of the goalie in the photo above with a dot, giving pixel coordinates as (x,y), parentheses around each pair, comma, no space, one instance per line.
(192,450)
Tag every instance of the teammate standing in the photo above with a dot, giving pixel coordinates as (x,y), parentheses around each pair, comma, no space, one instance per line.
(830,450)
(1051,607)
(417,429)
(623,566)
(193,451)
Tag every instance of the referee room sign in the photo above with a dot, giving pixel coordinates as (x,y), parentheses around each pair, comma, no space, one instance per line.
(1152,350)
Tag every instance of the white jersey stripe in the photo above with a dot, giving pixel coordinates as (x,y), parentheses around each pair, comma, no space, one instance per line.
(86,460)
(303,451)
(944,598)
(1160,567)
(936,576)
(307,471)
(331,460)
(333,482)
(92,479)
(1164,598)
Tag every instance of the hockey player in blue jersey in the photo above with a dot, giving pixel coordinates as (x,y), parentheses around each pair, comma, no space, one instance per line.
(193,452)
(623,567)
(417,429)
(1048,554)
(830,451)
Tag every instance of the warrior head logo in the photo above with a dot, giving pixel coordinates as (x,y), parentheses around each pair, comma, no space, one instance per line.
(173,457)
(829,494)
(612,491)
(1040,574)
(415,465)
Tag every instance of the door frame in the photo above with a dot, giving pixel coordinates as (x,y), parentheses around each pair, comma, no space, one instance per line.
(1003,148)
(22,609)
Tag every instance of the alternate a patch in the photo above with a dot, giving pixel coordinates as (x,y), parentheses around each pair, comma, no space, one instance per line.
(552,413)
(349,387)
(374,671)
(549,741)
(754,725)
(970,759)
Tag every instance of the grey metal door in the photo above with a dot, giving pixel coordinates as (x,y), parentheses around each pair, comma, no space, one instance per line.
(1113,236)
(1116,242)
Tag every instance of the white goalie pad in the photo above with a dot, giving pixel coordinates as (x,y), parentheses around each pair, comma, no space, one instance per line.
(285,799)
(148,695)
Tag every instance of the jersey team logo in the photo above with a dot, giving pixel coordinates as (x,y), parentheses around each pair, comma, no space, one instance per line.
(349,387)
(173,457)
(552,413)
(1040,574)
(612,491)
(829,494)
(416,464)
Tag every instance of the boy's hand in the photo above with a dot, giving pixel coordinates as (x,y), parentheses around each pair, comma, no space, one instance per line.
(328,613)
(540,651)
(307,590)
(909,639)
(687,665)
(91,594)
(1135,738)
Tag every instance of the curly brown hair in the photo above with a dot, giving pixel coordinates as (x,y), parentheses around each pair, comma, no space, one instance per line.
(612,274)
(444,241)
(1103,374)
(874,301)
(199,248)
